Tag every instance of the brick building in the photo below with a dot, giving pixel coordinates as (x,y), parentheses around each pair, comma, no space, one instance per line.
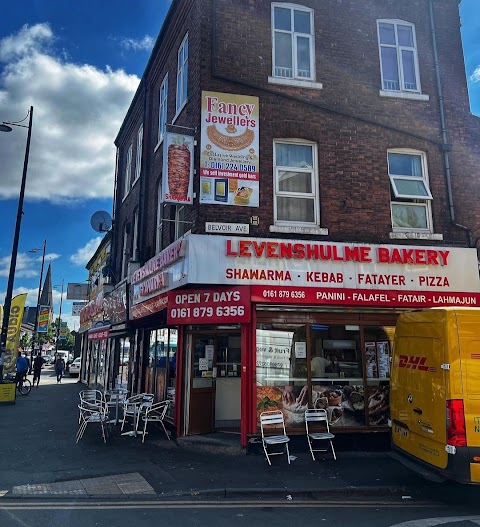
(320,177)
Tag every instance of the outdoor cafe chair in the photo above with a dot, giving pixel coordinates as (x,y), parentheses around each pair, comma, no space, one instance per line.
(273,420)
(90,415)
(318,416)
(155,413)
(133,407)
(90,399)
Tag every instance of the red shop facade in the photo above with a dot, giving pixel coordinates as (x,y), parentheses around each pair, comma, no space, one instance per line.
(264,324)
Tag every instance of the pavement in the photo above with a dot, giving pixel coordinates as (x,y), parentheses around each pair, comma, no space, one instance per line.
(39,458)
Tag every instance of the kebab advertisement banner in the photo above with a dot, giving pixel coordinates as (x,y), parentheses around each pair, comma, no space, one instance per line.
(229,162)
(177,182)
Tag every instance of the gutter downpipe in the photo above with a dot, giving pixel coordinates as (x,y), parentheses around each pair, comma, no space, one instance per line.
(445,147)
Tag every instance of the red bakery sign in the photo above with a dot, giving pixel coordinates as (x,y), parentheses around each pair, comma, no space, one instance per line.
(221,305)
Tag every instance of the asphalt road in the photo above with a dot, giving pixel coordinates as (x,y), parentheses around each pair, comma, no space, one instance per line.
(236,513)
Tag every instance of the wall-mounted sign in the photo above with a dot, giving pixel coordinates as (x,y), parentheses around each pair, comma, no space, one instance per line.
(77,291)
(227,228)
(148,307)
(177,182)
(44,319)
(221,305)
(229,159)
(77,307)
(98,334)
(115,304)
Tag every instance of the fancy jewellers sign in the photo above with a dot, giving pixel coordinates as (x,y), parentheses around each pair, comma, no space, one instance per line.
(337,269)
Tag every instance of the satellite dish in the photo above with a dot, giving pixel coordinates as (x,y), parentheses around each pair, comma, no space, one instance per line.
(101,221)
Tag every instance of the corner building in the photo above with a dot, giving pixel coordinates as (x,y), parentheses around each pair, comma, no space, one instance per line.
(290,177)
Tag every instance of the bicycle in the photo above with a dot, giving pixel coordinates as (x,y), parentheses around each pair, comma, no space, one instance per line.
(24,387)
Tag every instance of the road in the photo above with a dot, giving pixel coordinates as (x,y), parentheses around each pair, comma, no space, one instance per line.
(279,513)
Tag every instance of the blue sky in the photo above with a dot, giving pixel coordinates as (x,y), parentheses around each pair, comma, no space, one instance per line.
(79,64)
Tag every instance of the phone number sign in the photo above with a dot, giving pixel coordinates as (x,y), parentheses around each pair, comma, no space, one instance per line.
(222,305)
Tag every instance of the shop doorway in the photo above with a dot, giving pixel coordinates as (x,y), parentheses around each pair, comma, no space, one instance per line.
(214,398)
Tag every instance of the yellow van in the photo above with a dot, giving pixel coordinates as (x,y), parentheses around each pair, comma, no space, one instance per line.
(435,392)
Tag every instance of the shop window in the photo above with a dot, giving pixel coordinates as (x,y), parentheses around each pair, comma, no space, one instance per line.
(293,53)
(411,196)
(398,56)
(182,75)
(296,184)
(162,110)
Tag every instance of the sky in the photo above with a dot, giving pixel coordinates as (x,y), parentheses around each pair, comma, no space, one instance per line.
(78,64)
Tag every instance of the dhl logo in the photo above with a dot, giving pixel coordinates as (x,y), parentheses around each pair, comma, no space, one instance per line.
(415,363)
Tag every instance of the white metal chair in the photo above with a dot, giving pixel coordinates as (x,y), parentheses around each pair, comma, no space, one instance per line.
(89,415)
(155,413)
(133,407)
(269,421)
(318,416)
(90,399)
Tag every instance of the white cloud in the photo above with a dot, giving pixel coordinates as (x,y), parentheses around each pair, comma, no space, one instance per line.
(78,111)
(475,76)
(84,254)
(27,266)
(144,44)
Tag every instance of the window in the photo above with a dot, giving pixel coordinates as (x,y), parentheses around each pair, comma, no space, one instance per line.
(128,171)
(162,110)
(135,237)
(296,199)
(179,221)
(182,75)
(293,43)
(125,251)
(398,56)
(159,244)
(411,196)
(138,159)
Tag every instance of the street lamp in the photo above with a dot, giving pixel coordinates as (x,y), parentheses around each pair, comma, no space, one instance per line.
(35,328)
(7,127)
(59,319)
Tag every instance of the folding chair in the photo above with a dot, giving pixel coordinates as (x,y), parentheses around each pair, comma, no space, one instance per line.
(89,415)
(155,413)
(318,416)
(268,420)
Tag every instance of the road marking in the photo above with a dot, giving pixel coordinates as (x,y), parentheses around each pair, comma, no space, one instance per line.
(431,522)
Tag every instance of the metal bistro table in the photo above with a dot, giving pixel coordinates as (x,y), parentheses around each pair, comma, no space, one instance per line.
(116,396)
(145,401)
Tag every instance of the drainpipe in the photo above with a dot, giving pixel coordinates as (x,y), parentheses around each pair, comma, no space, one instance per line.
(445,147)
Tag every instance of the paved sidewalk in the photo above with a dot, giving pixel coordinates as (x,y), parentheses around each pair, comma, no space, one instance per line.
(38,453)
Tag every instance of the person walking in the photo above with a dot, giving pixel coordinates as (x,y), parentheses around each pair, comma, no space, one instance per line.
(38,362)
(59,368)
(22,369)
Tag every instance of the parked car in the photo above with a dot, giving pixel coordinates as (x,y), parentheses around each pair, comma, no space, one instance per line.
(48,359)
(75,367)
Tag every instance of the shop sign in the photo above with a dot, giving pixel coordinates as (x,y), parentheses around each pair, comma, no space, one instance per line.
(220,305)
(77,307)
(291,271)
(98,334)
(115,304)
(148,307)
(177,181)
(227,228)
(229,158)
(161,260)
(44,318)
(92,310)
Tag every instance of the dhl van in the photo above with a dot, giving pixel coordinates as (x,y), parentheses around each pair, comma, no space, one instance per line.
(435,393)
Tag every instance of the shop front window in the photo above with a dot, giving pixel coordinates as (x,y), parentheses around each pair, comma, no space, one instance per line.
(322,366)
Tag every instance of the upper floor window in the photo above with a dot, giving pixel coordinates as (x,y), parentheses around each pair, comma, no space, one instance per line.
(398,56)
(159,243)
(162,109)
(180,221)
(125,251)
(135,236)
(296,184)
(128,171)
(411,196)
(138,158)
(293,42)
(182,74)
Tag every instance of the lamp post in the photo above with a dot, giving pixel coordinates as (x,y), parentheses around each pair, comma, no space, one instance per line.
(7,127)
(35,329)
(59,319)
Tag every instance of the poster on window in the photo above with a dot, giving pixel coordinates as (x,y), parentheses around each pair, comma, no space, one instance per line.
(229,159)
(383,353)
(177,182)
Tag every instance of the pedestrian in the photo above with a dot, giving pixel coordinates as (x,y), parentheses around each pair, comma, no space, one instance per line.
(38,362)
(22,369)
(2,362)
(59,368)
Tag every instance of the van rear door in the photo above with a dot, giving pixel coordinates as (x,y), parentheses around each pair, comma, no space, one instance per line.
(418,392)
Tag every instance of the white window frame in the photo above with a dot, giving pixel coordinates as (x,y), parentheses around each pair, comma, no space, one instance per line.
(182,75)
(419,201)
(125,252)
(315,186)
(135,237)
(294,35)
(179,224)
(159,240)
(399,49)
(138,155)
(128,171)
(162,109)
